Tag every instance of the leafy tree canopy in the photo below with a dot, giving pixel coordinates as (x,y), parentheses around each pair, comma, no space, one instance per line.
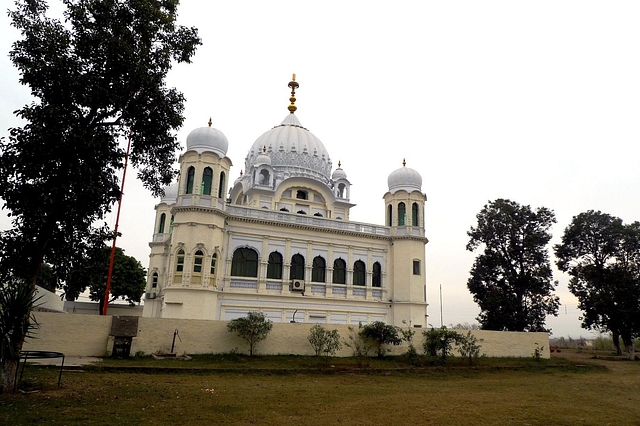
(602,256)
(127,280)
(511,280)
(97,77)
(47,279)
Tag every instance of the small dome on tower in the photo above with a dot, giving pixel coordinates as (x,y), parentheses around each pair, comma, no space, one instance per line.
(208,139)
(170,194)
(404,178)
(339,173)
(262,158)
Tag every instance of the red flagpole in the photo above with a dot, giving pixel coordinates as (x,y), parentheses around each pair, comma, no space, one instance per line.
(115,232)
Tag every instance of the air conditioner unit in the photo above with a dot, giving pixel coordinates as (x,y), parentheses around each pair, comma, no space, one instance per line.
(297,285)
(150,295)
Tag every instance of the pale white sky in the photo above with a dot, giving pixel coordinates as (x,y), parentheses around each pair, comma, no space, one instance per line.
(532,101)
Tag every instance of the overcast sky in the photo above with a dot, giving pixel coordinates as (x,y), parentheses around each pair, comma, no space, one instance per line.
(537,102)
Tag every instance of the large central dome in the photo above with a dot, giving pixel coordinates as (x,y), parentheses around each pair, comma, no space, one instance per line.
(294,151)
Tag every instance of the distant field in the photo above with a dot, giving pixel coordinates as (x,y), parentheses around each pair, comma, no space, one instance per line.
(569,389)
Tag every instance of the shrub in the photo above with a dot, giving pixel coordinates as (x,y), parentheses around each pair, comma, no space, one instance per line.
(360,346)
(381,334)
(253,328)
(469,347)
(323,341)
(537,352)
(439,341)
(411,354)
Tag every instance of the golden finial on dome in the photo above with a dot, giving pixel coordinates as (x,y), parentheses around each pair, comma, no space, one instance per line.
(264,149)
(240,172)
(339,165)
(294,85)
(210,122)
(404,163)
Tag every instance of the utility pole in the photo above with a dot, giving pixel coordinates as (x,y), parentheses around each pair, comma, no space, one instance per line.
(441,323)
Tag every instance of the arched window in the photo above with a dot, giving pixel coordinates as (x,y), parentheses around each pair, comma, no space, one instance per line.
(207,179)
(414,214)
(376,278)
(297,267)
(244,263)
(402,214)
(301,212)
(154,280)
(390,214)
(171,224)
(214,259)
(274,267)
(191,175)
(180,261)
(341,188)
(318,214)
(163,219)
(284,209)
(198,258)
(359,272)
(221,187)
(339,271)
(318,269)
(264,177)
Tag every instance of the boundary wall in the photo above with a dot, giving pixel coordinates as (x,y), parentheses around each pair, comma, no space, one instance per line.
(88,335)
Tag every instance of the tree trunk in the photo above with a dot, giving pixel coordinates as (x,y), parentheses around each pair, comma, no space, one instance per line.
(628,346)
(615,337)
(9,368)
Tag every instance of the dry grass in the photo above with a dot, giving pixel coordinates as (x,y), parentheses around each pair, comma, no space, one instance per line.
(549,392)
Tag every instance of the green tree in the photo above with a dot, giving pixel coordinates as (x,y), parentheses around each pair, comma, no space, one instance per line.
(381,334)
(438,342)
(97,76)
(127,281)
(253,328)
(602,256)
(469,346)
(47,278)
(323,341)
(512,280)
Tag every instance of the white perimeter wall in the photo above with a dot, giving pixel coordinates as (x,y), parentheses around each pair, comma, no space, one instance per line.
(88,335)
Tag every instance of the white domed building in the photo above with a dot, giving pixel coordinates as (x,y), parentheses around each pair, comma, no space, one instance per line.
(280,239)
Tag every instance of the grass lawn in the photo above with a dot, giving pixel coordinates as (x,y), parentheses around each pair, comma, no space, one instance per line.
(567,390)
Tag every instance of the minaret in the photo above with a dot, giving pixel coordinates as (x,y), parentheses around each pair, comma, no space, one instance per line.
(404,203)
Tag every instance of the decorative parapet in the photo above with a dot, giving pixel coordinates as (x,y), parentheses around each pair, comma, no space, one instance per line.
(302,220)
(161,238)
(250,285)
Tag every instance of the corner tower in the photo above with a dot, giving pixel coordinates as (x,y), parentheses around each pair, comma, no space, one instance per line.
(404,204)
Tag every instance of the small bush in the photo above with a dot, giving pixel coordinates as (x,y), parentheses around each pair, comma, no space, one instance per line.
(323,341)
(253,328)
(358,345)
(438,343)
(411,354)
(469,347)
(537,352)
(381,334)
